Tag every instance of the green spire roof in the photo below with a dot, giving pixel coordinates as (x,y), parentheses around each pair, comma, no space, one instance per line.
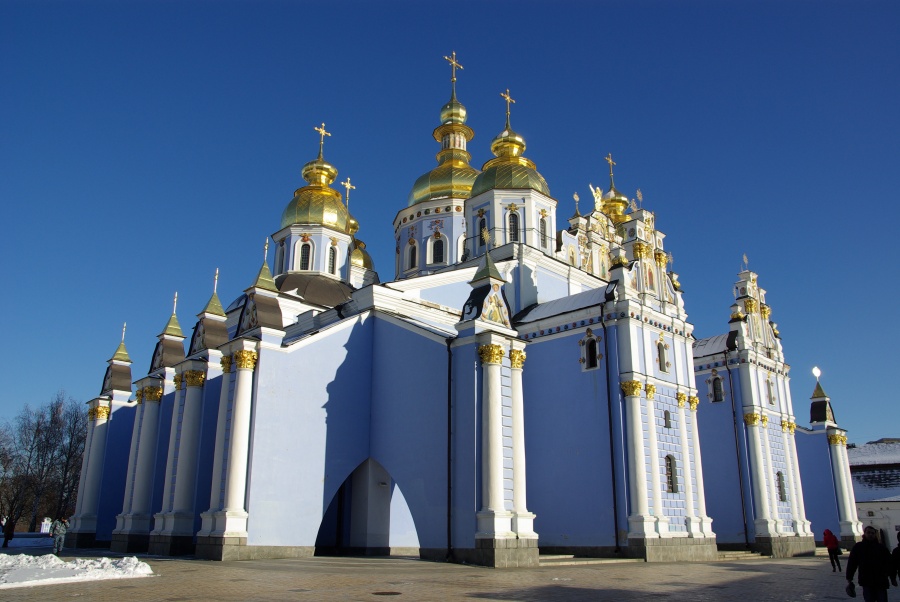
(121,353)
(819,393)
(487,270)
(214,306)
(173,328)
(264,279)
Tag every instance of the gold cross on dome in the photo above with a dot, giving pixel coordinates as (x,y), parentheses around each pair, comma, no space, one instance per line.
(454,65)
(608,158)
(349,187)
(509,101)
(322,134)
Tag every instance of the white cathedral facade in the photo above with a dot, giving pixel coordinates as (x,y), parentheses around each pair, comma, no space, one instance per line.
(527,383)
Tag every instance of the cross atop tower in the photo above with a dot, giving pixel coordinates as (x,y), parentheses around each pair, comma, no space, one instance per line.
(608,158)
(322,134)
(454,65)
(349,187)
(509,101)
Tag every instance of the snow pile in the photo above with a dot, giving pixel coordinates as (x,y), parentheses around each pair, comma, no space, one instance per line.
(22,570)
(874,453)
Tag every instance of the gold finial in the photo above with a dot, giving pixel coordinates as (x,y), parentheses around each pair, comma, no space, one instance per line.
(575,196)
(640,196)
(322,134)
(746,265)
(216,281)
(609,160)
(669,259)
(349,187)
(486,236)
(124,324)
(454,65)
(632,205)
(509,101)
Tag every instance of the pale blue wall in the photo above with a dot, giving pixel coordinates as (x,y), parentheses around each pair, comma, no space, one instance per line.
(819,490)
(166,405)
(115,468)
(206,452)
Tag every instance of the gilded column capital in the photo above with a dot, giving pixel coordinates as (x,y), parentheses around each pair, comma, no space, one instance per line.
(651,390)
(618,261)
(764,420)
(765,311)
(517,358)
(631,388)
(100,413)
(785,425)
(194,378)
(682,399)
(694,401)
(490,354)
(139,396)
(245,360)
(226,364)
(641,250)
(177,380)
(837,439)
(661,258)
(92,413)
(792,426)
(751,419)
(153,393)
(751,306)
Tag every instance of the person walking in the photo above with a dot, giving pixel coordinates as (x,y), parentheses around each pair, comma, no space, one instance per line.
(875,566)
(58,533)
(9,531)
(834,550)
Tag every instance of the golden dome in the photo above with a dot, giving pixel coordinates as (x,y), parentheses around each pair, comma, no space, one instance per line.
(360,257)
(614,204)
(317,203)
(453,112)
(509,169)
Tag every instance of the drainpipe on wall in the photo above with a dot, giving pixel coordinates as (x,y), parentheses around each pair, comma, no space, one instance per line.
(612,454)
(737,450)
(449,451)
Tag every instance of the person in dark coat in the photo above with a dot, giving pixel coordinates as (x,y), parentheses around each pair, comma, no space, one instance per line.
(875,566)
(9,531)
(834,549)
(895,556)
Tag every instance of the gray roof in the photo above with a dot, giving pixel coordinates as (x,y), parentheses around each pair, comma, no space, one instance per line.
(714,345)
(562,305)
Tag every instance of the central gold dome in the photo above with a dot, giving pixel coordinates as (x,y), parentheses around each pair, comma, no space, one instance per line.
(318,203)
(509,169)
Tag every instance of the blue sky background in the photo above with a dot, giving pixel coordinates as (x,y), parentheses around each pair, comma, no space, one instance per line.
(145,144)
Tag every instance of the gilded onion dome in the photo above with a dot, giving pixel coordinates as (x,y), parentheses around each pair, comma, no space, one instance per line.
(318,203)
(509,169)
(453,176)
(359,256)
(613,202)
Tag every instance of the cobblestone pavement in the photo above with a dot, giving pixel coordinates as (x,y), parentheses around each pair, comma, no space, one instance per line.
(405,579)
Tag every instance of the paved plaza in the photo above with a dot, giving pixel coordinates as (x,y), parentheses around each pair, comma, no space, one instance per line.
(353,578)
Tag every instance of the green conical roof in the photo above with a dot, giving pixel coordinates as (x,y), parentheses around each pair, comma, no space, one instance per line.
(819,393)
(264,279)
(214,306)
(173,328)
(121,353)
(487,270)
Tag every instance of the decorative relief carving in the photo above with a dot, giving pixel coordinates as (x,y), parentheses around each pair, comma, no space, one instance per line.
(784,426)
(512,207)
(682,399)
(195,378)
(153,393)
(102,413)
(91,413)
(490,354)
(618,261)
(694,401)
(139,396)
(751,306)
(651,390)
(765,311)
(792,426)
(641,250)
(631,388)
(751,419)
(178,379)
(517,358)
(764,420)
(245,360)
(226,364)
(661,258)
(837,439)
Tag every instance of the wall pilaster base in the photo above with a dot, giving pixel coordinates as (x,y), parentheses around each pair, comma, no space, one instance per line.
(499,553)
(130,543)
(673,549)
(785,547)
(85,539)
(236,548)
(171,545)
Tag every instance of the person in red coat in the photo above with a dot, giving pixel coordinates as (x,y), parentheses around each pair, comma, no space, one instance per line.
(834,550)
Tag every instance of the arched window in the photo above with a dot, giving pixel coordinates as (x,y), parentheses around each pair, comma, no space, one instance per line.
(279,258)
(482,226)
(671,475)
(437,251)
(461,248)
(571,256)
(412,257)
(513,227)
(718,390)
(667,419)
(770,391)
(332,260)
(782,491)
(663,357)
(305,255)
(591,353)
(543,226)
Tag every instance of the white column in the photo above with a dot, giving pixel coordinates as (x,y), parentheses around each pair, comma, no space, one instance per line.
(494,521)
(662,521)
(215,491)
(705,520)
(85,462)
(769,472)
(692,524)
(138,520)
(132,460)
(640,523)
(764,524)
(836,442)
(161,523)
(798,508)
(856,527)
(91,491)
(231,521)
(188,448)
(523,520)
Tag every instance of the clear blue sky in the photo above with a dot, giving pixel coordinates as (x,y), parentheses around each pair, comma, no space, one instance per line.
(145,144)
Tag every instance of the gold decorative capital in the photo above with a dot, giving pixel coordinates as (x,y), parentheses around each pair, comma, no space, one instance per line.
(245,360)
(682,399)
(517,358)
(651,390)
(792,426)
(751,419)
(194,378)
(751,305)
(764,420)
(837,439)
(661,258)
(641,250)
(785,425)
(139,396)
(765,311)
(619,261)
(631,388)
(694,401)
(177,380)
(226,364)
(92,413)
(98,413)
(153,393)
(490,354)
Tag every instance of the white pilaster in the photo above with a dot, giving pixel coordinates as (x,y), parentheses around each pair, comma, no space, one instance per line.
(763,522)
(215,493)
(161,524)
(182,519)
(85,462)
(768,473)
(99,415)
(705,520)
(640,523)
(691,522)
(138,519)
(523,520)
(662,522)
(798,508)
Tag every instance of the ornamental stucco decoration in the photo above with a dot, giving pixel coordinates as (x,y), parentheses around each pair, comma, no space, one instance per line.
(750,305)
(195,378)
(651,391)
(245,359)
(177,380)
(661,258)
(153,393)
(751,419)
(682,399)
(837,439)
(517,358)
(694,401)
(101,413)
(490,354)
(226,364)
(631,388)
(139,396)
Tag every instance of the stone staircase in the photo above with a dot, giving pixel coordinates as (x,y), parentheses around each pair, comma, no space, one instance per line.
(733,555)
(572,560)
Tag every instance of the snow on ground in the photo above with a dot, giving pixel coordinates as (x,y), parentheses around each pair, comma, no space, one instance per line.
(24,570)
